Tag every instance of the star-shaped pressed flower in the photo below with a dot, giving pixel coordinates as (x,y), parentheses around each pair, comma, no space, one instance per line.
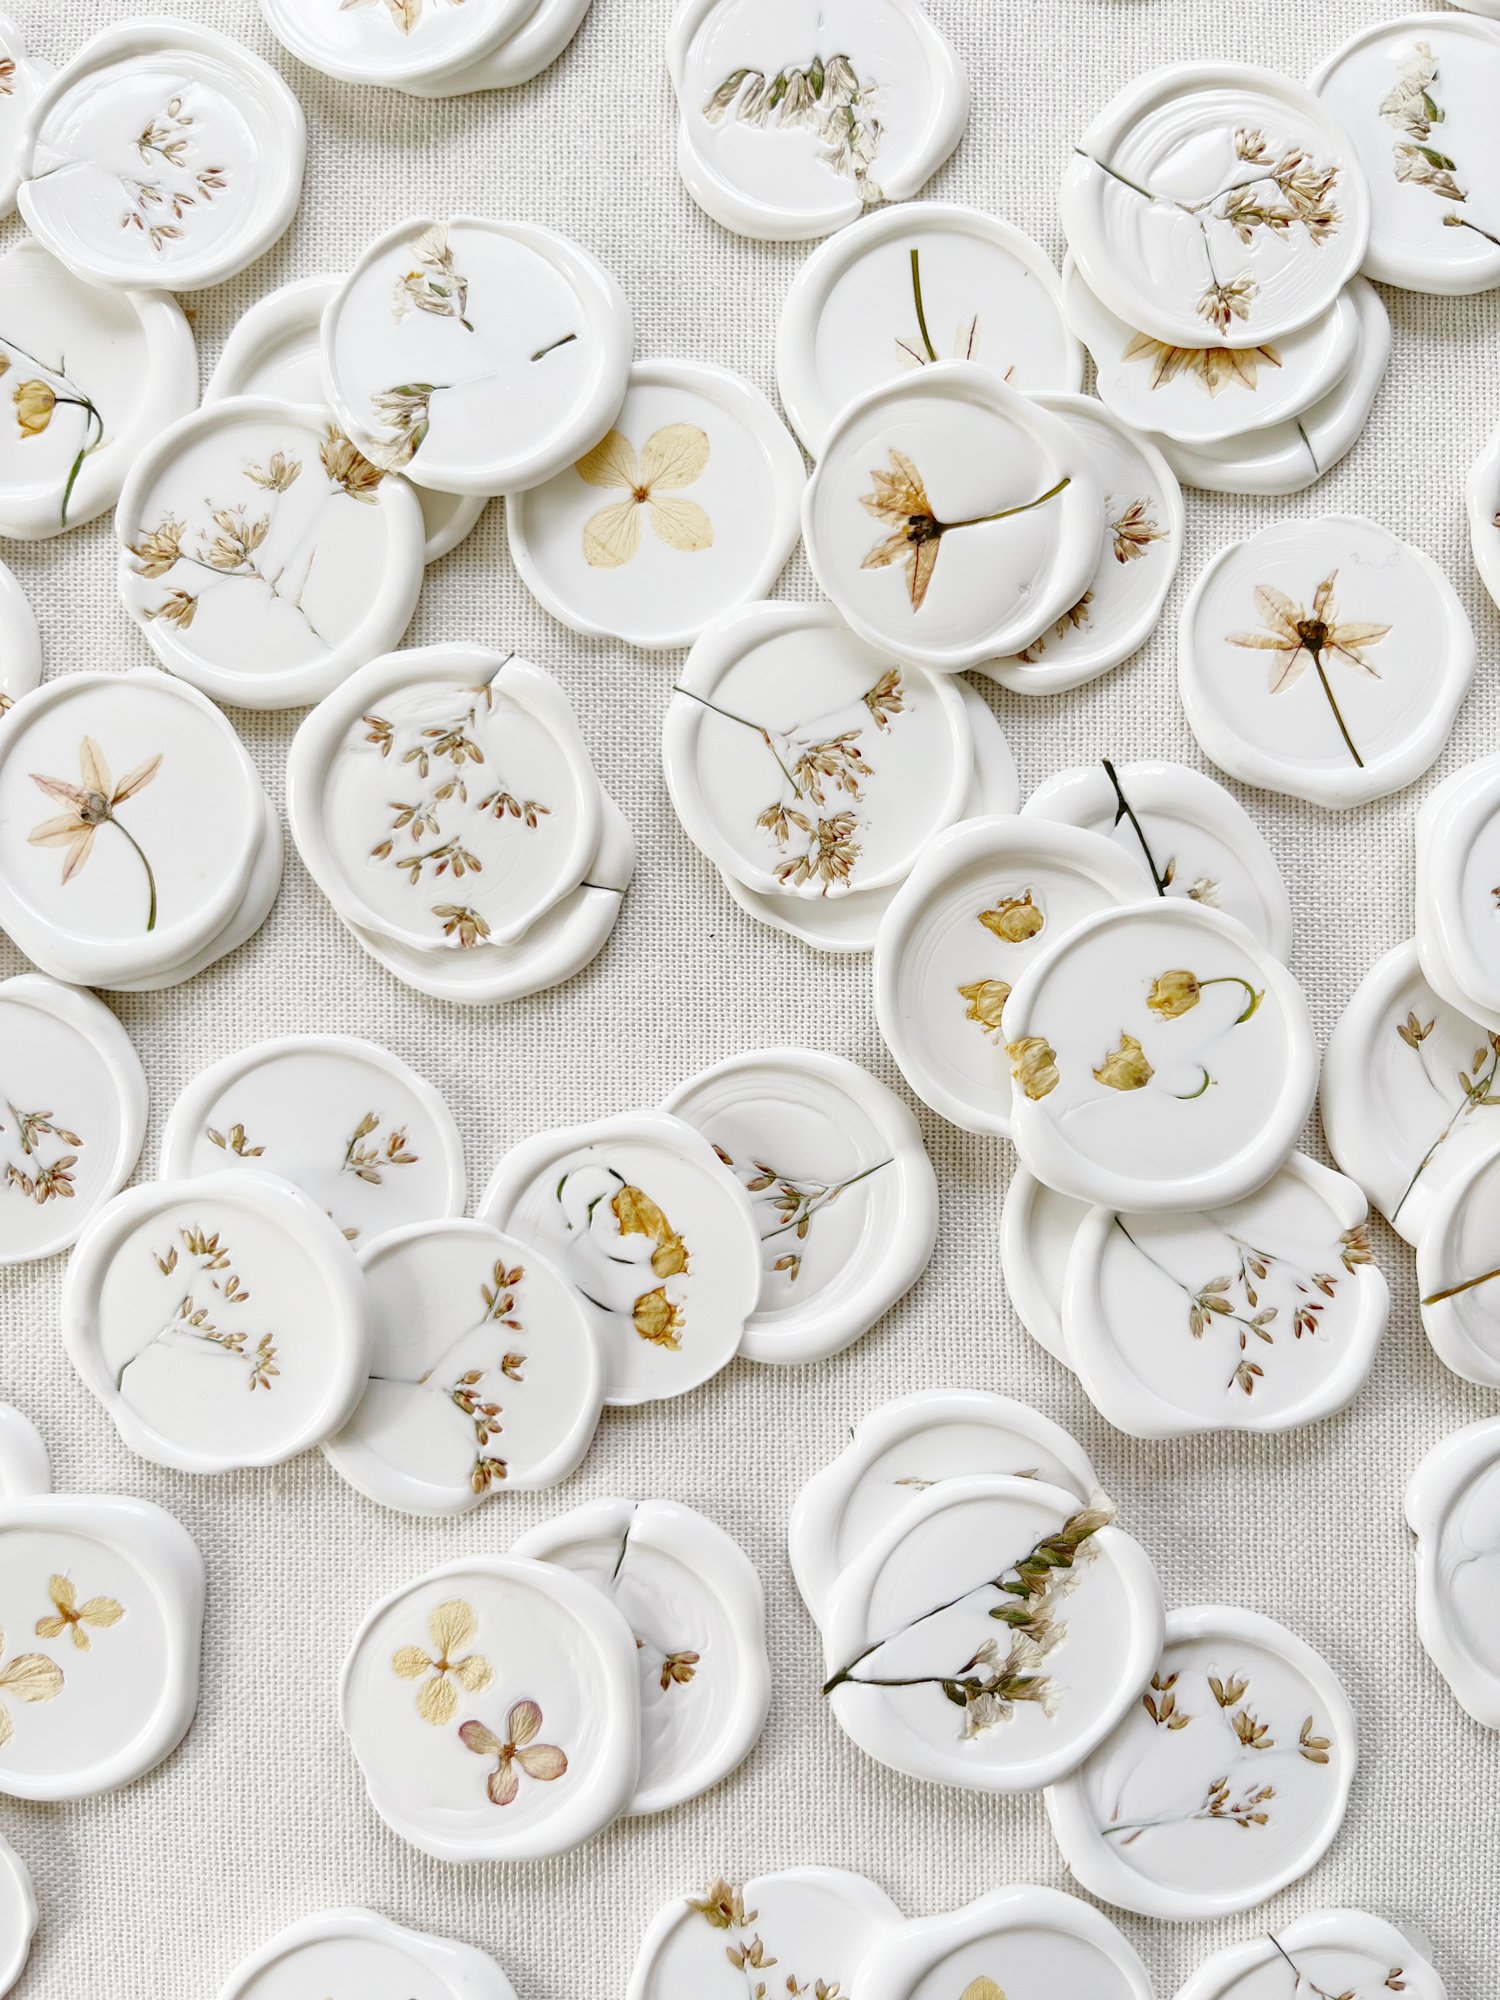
(1299,638)
(900,500)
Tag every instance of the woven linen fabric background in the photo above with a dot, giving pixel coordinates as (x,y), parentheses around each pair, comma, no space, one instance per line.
(261,1816)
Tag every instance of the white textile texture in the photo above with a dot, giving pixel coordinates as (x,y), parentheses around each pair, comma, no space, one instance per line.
(260,1818)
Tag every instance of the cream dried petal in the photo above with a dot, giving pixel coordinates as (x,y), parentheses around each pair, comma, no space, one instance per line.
(32,1677)
(438,1701)
(612,462)
(523,1722)
(452,1625)
(544,1761)
(612,536)
(682,524)
(474,1673)
(674,456)
(410,1663)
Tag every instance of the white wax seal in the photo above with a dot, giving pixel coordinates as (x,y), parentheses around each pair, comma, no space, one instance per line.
(1261,1316)
(1228,1778)
(1453,1509)
(1187,834)
(1013,1940)
(822,1924)
(1163,1060)
(477,356)
(844,1194)
(92,377)
(221,1322)
(686,509)
(72,1114)
(794,118)
(914,284)
(991,1634)
(1406,1079)
(1324,658)
(1216,199)
(161,154)
(344,1120)
(903,1449)
(485,1371)
(378,1959)
(952,519)
(694,1602)
(986,899)
(654,1233)
(493,1708)
(101,1607)
(1344,1952)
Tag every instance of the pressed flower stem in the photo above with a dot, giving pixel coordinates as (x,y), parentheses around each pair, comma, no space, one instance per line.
(823,1198)
(1454,1291)
(916,288)
(76,399)
(1238,1319)
(1233,979)
(1459,222)
(1315,655)
(1127,811)
(552,347)
(121,827)
(1479,1093)
(1005,514)
(745,723)
(1187,1096)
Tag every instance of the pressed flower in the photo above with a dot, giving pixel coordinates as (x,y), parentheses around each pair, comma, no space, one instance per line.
(519,1751)
(677,1669)
(464,924)
(1223,304)
(981,1989)
(278,475)
(657,1320)
(158,549)
(178,607)
(1296,638)
(348,467)
(1217,368)
(986,998)
(406,413)
(827,97)
(74,1618)
(1173,993)
(638,1215)
(723,1906)
(34,403)
(92,803)
(1014,918)
(673,457)
(1409,104)
(900,500)
(451,1625)
(435,286)
(28,1677)
(1134,531)
(1033,1064)
(1125,1067)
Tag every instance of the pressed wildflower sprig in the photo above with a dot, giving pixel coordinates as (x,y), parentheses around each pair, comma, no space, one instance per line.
(1477,1090)
(1232,1299)
(819,769)
(722,1907)
(900,500)
(1271,193)
(1235,1797)
(92,803)
(1412,107)
(1394,1982)
(33,1177)
(231,546)
(201,1323)
(158,206)
(826,97)
(446,757)
(1298,638)
(794,1201)
(997,1676)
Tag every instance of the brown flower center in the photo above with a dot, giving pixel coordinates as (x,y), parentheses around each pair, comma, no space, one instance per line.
(922,528)
(1313,633)
(94,810)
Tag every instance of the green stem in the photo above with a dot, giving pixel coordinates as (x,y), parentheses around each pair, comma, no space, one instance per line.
(150,876)
(1458,222)
(916,286)
(1333,704)
(822,1199)
(979,520)
(1453,1291)
(745,723)
(1233,979)
(1187,1096)
(1127,811)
